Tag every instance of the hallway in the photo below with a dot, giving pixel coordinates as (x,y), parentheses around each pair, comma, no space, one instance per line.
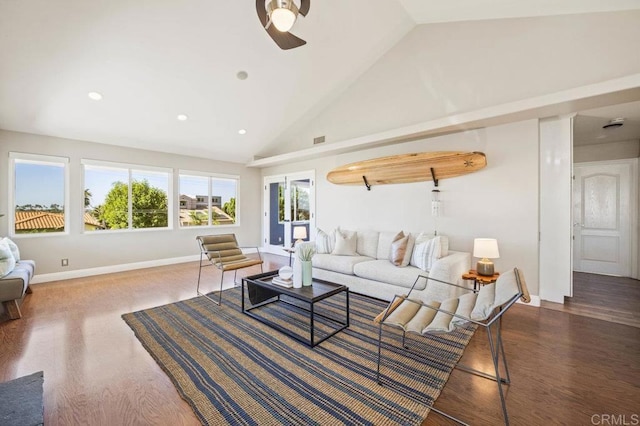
(615,299)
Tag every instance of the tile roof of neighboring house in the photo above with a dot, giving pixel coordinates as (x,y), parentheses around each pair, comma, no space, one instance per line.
(219,214)
(29,220)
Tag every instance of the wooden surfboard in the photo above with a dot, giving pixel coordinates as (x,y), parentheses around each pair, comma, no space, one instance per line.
(405,168)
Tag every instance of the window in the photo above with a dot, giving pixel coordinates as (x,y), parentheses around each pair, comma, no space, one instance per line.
(208,200)
(300,201)
(39,194)
(125,197)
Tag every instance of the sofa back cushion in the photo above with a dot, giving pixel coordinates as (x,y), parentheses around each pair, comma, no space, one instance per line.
(384,244)
(367,244)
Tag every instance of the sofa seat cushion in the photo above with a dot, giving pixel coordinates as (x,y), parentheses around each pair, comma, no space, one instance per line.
(15,283)
(341,264)
(384,271)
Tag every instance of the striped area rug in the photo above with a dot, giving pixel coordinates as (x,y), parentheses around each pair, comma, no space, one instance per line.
(233,369)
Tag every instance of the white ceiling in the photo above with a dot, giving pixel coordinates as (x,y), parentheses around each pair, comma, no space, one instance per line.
(153,60)
(588,124)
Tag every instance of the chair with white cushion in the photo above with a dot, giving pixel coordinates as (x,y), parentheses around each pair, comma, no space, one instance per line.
(476,308)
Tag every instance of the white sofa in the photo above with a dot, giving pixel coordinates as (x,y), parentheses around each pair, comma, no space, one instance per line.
(371,272)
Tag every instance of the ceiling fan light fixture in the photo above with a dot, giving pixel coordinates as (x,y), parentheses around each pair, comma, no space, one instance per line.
(282,14)
(614,123)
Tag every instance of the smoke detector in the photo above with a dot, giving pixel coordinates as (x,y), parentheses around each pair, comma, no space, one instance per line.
(614,123)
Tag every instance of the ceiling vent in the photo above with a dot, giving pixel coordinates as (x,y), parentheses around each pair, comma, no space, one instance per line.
(613,124)
(319,139)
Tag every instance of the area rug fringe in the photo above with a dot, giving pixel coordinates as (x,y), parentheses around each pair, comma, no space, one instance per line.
(234,370)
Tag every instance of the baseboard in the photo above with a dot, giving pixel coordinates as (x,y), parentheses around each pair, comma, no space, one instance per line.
(80,273)
(535,301)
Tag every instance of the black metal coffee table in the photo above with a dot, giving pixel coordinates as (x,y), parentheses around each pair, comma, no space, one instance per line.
(262,292)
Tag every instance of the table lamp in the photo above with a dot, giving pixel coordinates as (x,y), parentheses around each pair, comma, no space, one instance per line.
(485,248)
(299,233)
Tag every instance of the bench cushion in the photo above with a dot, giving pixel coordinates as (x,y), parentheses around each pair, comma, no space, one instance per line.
(14,284)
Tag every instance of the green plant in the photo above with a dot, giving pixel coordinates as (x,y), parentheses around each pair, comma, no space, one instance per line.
(306,252)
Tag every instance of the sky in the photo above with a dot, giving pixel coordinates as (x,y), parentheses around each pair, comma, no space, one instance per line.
(39,184)
(44,184)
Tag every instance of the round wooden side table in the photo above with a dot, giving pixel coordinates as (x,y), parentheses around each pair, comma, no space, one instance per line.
(480,279)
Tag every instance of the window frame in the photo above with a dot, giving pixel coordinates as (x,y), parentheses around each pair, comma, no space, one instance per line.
(130,170)
(210,176)
(11,193)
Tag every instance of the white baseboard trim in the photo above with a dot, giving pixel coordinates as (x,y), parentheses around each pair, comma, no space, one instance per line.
(535,301)
(80,273)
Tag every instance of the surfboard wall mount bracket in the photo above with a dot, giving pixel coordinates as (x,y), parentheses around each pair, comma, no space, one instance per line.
(433,176)
(364,178)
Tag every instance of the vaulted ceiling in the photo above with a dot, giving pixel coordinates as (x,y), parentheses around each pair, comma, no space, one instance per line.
(154,60)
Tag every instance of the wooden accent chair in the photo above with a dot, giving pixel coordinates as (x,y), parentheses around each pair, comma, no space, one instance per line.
(223,252)
(477,308)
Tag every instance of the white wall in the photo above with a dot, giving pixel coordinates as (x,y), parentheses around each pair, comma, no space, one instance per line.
(606,151)
(500,201)
(95,250)
(555,209)
(441,69)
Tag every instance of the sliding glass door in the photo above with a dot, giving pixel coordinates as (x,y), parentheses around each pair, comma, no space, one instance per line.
(289,209)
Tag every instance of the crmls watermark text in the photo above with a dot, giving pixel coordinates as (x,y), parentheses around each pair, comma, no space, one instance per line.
(615,419)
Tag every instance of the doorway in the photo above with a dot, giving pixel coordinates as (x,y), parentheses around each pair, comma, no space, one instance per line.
(603,214)
(289,206)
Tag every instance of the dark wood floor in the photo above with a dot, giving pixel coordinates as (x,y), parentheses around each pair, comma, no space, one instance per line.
(614,299)
(564,368)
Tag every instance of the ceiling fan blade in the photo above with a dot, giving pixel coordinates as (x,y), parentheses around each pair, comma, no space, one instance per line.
(262,12)
(286,41)
(304,7)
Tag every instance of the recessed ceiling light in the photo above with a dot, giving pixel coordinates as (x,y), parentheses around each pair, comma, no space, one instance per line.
(95,96)
(242,75)
(242,131)
(182,117)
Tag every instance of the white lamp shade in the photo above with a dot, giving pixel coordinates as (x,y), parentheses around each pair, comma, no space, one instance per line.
(283,19)
(299,232)
(486,248)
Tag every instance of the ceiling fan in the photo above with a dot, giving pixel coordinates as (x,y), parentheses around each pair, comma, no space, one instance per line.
(277,18)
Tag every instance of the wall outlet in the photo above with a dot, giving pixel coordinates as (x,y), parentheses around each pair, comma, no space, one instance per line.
(65,262)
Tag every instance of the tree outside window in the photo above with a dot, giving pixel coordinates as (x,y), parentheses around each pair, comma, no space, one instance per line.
(123,198)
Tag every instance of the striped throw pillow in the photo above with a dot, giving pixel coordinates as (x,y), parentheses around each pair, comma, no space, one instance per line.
(325,243)
(426,252)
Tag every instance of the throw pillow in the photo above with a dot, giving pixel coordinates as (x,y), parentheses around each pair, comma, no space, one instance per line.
(7,261)
(14,248)
(444,246)
(444,242)
(425,253)
(411,242)
(345,244)
(325,243)
(399,249)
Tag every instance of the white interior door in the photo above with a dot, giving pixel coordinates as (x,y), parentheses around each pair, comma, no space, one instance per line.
(289,203)
(602,216)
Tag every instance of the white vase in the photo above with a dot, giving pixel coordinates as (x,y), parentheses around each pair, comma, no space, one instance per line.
(297,274)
